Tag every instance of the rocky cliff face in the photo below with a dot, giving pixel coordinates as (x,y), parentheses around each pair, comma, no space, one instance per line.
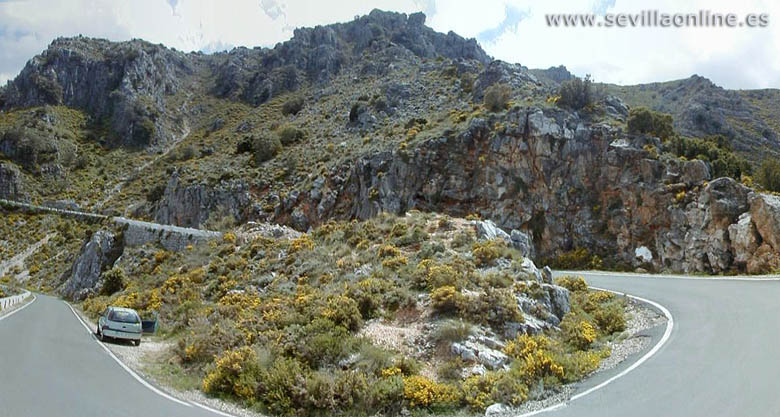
(566,183)
(124,84)
(96,255)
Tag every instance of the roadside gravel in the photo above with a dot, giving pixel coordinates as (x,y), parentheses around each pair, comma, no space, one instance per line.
(631,341)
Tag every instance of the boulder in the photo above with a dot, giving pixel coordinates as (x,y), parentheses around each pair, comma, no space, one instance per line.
(765,212)
(488,230)
(97,255)
(744,239)
(473,351)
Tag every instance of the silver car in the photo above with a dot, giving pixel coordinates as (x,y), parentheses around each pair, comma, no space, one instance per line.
(119,323)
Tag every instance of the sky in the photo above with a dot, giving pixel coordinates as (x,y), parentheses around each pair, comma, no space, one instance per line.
(511,30)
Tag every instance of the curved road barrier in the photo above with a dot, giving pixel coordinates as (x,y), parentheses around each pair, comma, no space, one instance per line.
(8,302)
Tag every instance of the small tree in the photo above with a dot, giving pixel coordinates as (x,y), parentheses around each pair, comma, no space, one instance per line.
(497,97)
(576,93)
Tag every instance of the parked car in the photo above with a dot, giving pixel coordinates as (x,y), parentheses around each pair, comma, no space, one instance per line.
(119,323)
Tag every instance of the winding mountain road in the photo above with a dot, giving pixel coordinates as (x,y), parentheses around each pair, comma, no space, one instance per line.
(720,359)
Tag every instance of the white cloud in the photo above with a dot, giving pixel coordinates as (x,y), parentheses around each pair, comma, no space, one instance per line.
(735,58)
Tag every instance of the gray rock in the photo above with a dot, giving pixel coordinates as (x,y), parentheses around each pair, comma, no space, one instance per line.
(96,256)
(473,351)
(547,276)
(191,205)
(11,187)
(522,242)
(487,230)
(744,239)
(497,410)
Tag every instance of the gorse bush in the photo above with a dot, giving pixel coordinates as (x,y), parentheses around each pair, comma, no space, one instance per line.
(113,281)
(576,93)
(497,97)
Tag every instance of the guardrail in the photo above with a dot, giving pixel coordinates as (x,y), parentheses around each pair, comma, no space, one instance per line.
(8,302)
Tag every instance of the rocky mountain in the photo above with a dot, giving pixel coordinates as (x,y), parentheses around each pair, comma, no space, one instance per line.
(700,108)
(383,114)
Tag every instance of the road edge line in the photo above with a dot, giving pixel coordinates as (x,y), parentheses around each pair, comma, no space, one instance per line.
(667,334)
(5,316)
(122,364)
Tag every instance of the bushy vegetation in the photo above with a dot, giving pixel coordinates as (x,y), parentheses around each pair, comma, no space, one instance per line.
(716,150)
(265,147)
(497,97)
(276,323)
(645,121)
(768,175)
(575,259)
(576,94)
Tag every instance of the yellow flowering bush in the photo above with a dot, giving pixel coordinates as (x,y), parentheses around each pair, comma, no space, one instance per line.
(577,331)
(420,391)
(304,242)
(235,372)
(485,252)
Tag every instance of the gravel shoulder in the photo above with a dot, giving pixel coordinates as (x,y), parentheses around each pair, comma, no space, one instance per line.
(148,353)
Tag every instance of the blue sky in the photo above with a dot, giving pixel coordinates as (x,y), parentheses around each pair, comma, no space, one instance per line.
(512,30)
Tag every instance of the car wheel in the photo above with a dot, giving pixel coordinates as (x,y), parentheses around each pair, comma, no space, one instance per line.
(138,342)
(102,337)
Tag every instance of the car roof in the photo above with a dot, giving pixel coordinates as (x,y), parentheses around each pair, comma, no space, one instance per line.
(129,310)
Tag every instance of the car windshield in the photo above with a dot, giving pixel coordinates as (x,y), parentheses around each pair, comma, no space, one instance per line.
(124,317)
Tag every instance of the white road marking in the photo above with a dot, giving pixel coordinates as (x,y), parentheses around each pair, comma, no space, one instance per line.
(648,355)
(215,411)
(5,316)
(125,367)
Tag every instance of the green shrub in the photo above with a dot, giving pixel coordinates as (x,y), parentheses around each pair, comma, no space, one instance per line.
(576,93)
(644,120)
(714,149)
(264,148)
(496,307)
(768,174)
(290,134)
(610,317)
(292,106)
(577,331)
(283,387)
(485,252)
(452,331)
(497,97)
(343,311)
(113,281)
(445,299)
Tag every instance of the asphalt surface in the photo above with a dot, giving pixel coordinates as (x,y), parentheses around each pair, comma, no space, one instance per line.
(51,366)
(722,358)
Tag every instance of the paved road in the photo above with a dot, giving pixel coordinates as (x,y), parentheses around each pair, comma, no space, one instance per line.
(51,366)
(722,358)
